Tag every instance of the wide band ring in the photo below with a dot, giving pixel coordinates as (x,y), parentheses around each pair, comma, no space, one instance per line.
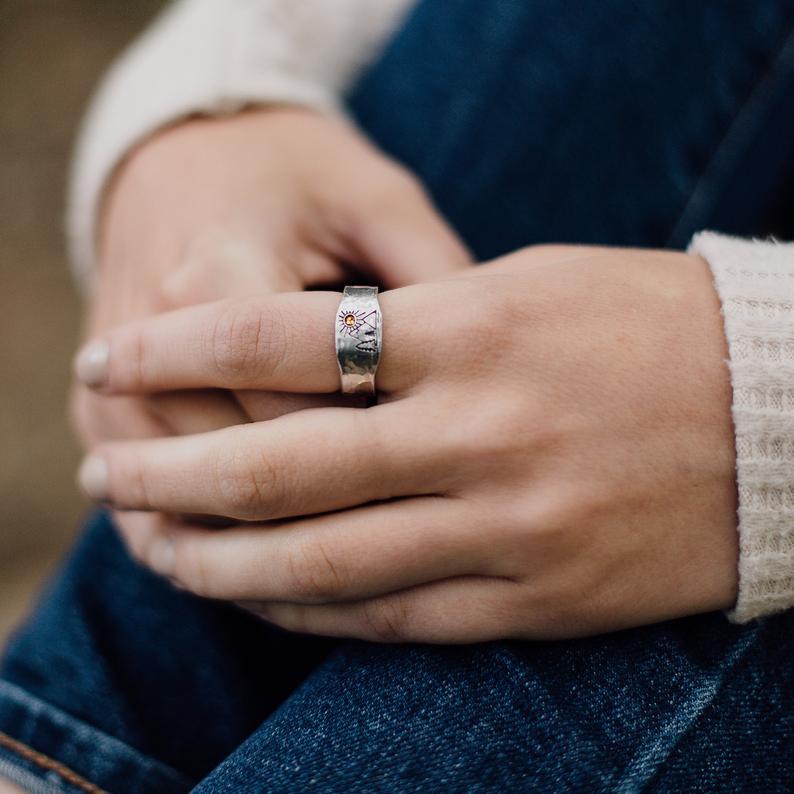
(358,329)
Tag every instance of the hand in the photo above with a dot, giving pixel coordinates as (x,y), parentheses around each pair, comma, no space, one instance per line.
(270,200)
(266,201)
(552,455)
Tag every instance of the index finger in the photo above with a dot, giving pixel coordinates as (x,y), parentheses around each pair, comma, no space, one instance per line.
(279,342)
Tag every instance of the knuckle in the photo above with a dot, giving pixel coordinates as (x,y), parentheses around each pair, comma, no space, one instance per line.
(387,619)
(246,340)
(315,575)
(248,482)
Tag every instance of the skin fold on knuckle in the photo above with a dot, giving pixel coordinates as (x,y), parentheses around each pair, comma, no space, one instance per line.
(245,342)
(248,482)
(386,619)
(314,574)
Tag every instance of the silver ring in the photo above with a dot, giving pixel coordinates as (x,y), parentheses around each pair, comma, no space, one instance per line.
(358,329)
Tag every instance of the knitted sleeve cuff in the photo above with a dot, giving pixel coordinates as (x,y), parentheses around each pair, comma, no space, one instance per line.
(755,283)
(215,57)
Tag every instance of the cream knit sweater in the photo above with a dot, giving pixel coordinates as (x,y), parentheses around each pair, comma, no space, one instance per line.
(215,56)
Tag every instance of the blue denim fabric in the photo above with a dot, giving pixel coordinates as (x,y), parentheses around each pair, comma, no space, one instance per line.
(612,122)
(616,122)
(141,688)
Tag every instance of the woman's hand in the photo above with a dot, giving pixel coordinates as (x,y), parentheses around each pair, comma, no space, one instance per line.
(267,201)
(552,454)
(270,200)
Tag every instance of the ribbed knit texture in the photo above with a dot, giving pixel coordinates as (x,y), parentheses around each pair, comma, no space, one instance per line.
(755,282)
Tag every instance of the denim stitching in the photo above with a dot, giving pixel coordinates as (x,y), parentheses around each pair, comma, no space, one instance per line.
(25,779)
(733,137)
(701,700)
(117,747)
(48,764)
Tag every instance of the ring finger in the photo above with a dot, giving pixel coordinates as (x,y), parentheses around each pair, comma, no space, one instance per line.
(276,343)
(336,557)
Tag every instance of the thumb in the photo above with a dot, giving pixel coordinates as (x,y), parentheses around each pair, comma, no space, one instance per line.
(402,239)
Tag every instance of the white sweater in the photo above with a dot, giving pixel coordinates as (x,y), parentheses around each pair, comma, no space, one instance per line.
(215,56)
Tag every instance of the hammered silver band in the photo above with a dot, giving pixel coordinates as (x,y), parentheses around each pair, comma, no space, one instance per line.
(358,329)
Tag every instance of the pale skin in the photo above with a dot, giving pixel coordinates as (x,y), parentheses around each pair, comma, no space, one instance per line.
(551,455)
(271,200)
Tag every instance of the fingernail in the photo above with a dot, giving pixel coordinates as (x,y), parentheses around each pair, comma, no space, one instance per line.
(91,364)
(161,556)
(93,478)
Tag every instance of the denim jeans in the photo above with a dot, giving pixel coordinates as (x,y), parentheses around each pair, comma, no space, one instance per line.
(613,122)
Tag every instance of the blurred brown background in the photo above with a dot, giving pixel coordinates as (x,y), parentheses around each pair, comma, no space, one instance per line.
(52,52)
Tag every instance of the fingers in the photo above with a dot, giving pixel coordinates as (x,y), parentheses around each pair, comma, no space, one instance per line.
(231,264)
(262,405)
(342,556)
(313,461)
(453,611)
(186,413)
(280,342)
(100,419)
(97,419)
(140,530)
(403,239)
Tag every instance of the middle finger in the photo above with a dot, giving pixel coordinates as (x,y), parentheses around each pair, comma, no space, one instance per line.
(313,461)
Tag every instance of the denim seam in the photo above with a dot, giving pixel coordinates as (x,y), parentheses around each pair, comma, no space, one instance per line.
(48,764)
(740,123)
(12,772)
(119,748)
(626,786)
(703,702)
